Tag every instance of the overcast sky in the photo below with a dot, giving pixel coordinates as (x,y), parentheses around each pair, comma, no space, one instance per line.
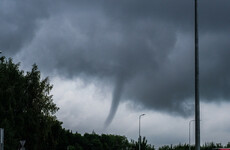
(110,61)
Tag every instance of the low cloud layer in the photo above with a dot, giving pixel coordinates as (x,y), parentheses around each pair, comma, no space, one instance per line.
(144,49)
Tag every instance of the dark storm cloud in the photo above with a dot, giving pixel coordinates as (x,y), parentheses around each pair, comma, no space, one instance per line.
(143,47)
(19,21)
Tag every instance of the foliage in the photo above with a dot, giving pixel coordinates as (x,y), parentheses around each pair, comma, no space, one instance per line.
(206,146)
(26,107)
(93,141)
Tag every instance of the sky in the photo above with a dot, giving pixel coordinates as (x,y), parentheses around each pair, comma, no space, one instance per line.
(110,61)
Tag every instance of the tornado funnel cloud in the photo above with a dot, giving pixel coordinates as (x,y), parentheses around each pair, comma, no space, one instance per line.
(115,101)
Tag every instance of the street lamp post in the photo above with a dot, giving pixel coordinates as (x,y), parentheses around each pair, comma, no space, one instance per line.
(140,131)
(197,99)
(1,132)
(189,134)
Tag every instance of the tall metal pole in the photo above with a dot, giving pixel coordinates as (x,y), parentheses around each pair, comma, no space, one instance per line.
(1,139)
(197,101)
(140,131)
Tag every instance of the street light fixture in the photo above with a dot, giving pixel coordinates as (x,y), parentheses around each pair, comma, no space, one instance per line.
(140,131)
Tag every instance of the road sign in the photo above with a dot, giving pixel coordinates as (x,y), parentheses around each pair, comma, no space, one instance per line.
(22,142)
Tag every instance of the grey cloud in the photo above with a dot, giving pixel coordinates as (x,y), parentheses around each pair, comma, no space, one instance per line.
(148,45)
(215,81)
(19,22)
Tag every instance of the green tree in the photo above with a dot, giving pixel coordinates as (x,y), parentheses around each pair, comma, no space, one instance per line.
(26,107)
(228,145)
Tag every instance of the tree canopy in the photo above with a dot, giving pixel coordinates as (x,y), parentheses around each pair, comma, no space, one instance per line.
(26,106)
